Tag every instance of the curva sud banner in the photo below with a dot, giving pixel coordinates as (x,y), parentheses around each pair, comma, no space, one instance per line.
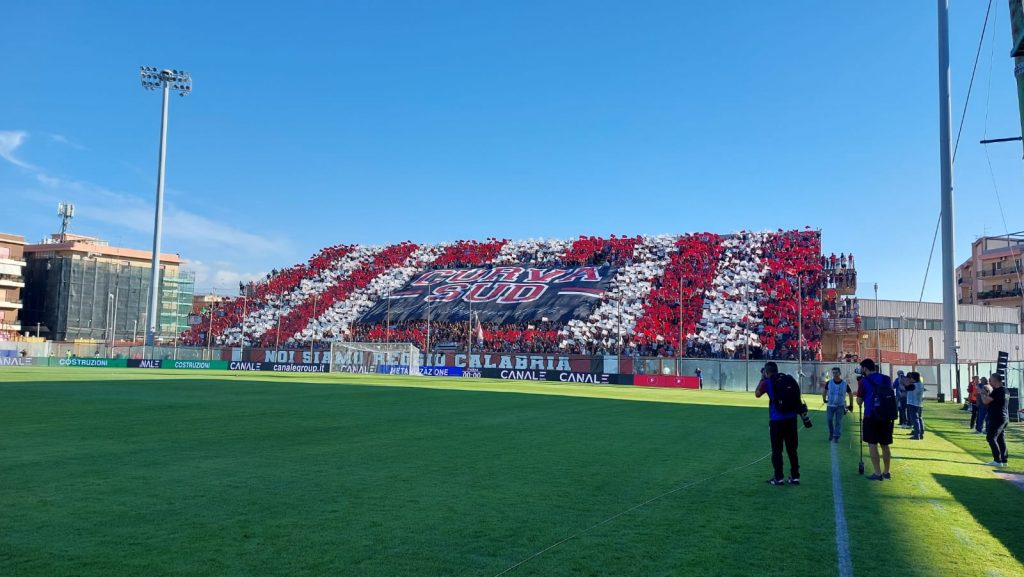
(501,294)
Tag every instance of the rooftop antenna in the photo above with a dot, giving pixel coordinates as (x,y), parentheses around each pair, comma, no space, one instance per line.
(66,211)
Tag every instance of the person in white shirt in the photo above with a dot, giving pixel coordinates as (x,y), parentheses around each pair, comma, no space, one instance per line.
(839,399)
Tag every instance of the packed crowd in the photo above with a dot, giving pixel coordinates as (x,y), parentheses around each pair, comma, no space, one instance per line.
(703,294)
(468,253)
(540,337)
(792,282)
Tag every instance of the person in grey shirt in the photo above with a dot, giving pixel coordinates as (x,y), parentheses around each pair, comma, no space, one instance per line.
(915,397)
(839,398)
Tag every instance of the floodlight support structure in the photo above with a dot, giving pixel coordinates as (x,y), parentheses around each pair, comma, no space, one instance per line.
(166,80)
(949,311)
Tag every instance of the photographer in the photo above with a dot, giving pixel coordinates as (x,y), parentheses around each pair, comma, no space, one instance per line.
(782,427)
(877,430)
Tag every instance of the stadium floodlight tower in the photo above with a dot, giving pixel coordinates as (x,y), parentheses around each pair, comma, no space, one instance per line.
(180,82)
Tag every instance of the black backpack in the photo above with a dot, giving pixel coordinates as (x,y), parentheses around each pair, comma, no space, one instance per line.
(885,399)
(786,394)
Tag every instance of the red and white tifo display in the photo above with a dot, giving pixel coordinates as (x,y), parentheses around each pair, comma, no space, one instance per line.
(739,295)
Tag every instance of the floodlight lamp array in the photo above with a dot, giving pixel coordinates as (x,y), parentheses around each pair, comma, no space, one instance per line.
(177,80)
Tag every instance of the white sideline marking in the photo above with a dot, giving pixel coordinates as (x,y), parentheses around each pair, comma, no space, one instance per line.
(842,536)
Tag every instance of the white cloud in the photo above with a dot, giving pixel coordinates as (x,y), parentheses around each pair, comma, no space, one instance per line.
(220,277)
(61,139)
(10,141)
(131,212)
(48,180)
(188,233)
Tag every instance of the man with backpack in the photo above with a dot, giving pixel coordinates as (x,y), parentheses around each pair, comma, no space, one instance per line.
(878,397)
(783,409)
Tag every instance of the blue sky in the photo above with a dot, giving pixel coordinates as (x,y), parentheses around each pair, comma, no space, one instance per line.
(317,123)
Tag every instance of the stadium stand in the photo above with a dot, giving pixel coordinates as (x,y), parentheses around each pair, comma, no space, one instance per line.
(702,294)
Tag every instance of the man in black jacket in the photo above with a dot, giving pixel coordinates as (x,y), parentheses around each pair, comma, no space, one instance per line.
(998,417)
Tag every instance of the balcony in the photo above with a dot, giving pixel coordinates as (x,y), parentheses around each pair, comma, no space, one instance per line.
(841,325)
(11,283)
(13,262)
(1003,294)
(1007,272)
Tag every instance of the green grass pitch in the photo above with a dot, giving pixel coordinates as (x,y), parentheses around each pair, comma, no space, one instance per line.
(110,473)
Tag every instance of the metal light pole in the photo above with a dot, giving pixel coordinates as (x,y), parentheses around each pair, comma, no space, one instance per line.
(277,343)
(109,333)
(618,326)
(949,310)
(312,336)
(166,80)
(878,321)
(429,294)
(800,326)
(209,333)
(469,334)
(113,322)
(387,329)
(903,319)
(679,345)
(241,339)
(1020,369)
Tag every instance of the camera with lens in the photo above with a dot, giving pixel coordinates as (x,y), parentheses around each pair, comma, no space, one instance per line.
(804,416)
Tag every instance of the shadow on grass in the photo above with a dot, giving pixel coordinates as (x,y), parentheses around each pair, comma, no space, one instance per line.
(994,503)
(960,462)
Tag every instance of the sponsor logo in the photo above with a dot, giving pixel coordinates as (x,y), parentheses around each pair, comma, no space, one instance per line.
(16,361)
(442,371)
(278,368)
(361,369)
(74,362)
(556,376)
(244,366)
(192,365)
(393,369)
(144,363)
(523,375)
(583,378)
